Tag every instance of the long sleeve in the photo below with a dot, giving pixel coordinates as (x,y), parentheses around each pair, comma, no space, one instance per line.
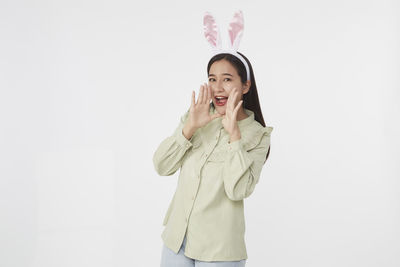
(241,170)
(167,159)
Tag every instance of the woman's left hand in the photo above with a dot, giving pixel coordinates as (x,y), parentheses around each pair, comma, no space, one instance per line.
(229,120)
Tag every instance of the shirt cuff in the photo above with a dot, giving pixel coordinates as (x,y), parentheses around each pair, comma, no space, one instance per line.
(235,145)
(181,139)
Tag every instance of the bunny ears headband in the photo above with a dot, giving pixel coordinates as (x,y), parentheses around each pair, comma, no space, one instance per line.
(212,34)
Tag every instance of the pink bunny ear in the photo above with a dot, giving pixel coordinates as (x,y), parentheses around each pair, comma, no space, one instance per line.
(236,29)
(211,30)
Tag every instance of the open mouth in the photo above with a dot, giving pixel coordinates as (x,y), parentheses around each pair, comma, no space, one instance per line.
(221,100)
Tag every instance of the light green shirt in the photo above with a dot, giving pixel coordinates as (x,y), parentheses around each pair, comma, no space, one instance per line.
(215,176)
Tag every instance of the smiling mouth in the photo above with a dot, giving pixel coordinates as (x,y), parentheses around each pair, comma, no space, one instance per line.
(220,101)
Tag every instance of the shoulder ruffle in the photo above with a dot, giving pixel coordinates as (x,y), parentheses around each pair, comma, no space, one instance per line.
(253,135)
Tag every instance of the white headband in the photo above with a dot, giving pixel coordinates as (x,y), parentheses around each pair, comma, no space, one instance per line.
(211,32)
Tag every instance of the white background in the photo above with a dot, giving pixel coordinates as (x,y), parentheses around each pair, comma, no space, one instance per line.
(88,90)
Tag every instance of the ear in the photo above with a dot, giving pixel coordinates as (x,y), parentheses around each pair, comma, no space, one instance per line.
(211,31)
(236,30)
(246,87)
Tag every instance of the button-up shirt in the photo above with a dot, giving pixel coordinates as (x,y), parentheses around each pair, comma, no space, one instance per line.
(215,176)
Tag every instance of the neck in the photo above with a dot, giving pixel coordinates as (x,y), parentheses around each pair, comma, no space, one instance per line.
(241,114)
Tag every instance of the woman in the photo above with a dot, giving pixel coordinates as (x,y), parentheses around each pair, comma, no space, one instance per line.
(220,147)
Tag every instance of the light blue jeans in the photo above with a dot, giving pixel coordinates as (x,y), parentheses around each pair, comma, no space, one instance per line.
(170,259)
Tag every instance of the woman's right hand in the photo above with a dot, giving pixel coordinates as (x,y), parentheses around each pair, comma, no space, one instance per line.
(199,114)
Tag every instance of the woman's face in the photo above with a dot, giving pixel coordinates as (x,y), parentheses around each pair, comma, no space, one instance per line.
(223,79)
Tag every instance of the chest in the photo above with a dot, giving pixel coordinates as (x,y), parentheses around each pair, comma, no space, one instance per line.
(211,145)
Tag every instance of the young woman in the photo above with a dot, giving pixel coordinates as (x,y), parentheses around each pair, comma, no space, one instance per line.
(220,147)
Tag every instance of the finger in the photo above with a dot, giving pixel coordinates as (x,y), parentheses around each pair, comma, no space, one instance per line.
(231,103)
(228,103)
(236,98)
(234,94)
(200,97)
(209,93)
(205,93)
(192,100)
(237,107)
(234,90)
(196,98)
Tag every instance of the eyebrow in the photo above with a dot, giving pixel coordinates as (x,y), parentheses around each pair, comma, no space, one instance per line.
(222,74)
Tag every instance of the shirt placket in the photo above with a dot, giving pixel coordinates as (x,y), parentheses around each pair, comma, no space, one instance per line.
(196,182)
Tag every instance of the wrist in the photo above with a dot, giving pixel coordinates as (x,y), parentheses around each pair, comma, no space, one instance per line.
(188,130)
(234,137)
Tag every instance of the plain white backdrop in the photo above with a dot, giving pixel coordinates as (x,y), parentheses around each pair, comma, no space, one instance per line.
(88,90)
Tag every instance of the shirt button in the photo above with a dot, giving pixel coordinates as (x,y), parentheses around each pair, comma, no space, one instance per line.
(216,137)
(206,155)
(193,198)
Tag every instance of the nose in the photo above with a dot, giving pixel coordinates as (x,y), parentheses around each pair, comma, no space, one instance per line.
(217,87)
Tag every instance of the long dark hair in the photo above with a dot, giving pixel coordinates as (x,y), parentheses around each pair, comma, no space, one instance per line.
(250,99)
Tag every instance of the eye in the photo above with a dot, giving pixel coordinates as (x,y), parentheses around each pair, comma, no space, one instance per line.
(211,79)
(228,79)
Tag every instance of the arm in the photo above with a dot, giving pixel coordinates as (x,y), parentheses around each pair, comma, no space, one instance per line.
(242,169)
(167,159)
